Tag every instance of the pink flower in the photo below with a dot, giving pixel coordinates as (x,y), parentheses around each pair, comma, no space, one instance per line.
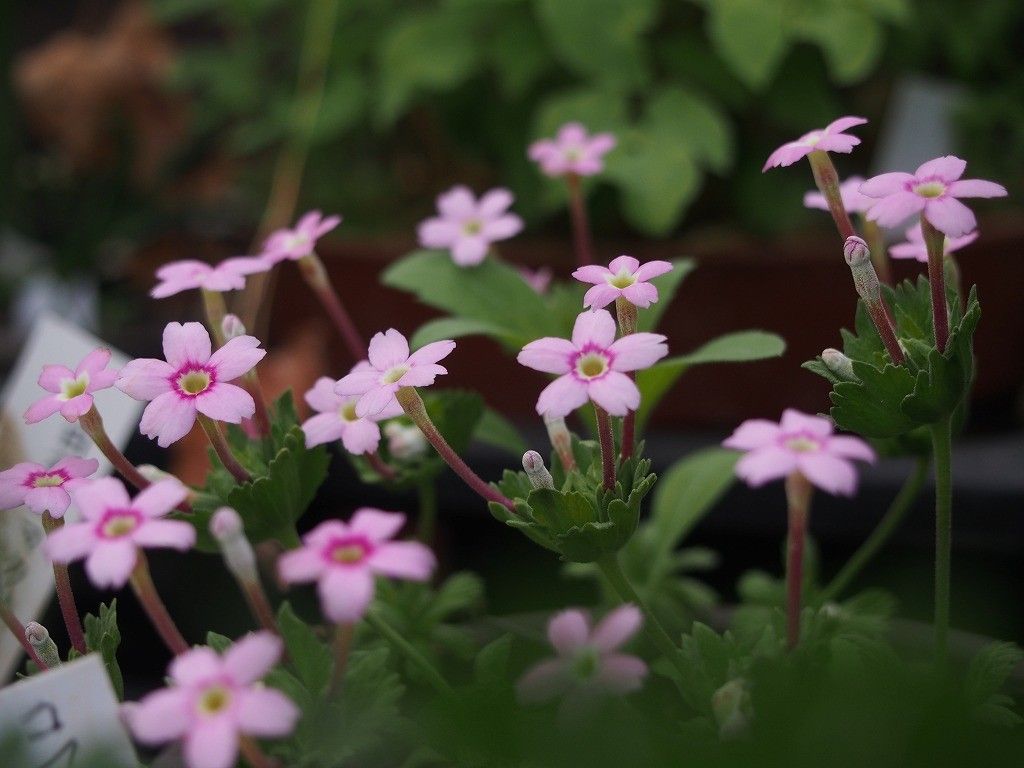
(592,365)
(192,380)
(212,699)
(538,279)
(573,151)
(343,559)
(849,191)
(228,275)
(587,665)
(299,242)
(72,390)
(625,277)
(828,139)
(391,367)
(336,418)
(915,247)
(114,526)
(467,227)
(801,443)
(41,489)
(932,190)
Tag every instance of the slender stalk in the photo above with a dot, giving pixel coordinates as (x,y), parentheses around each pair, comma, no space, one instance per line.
(145,590)
(865,281)
(18,630)
(604,435)
(404,647)
(428,511)
(222,449)
(798,496)
(380,466)
(253,755)
(92,423)
(883,531)
(942,450)
(261,418)
(260,607)
(216,308)
(827,180)
(936,244)
(316,276)
(626,313)
(65,595)
(580,223)
(343,635)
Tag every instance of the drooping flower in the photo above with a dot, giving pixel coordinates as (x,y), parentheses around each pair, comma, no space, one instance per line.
(41,489)
(572,151)
(114,527)
(538,279)
(213,699)
(588,665)
(191,380)
(336,418)
(831,138)
(72,390)
(933,191)
(391,367)
(592,365)
(186,275)
(299,242)
(915,247)
(800,442)
(625,277)
(467,227)
(849,191)
(344,558)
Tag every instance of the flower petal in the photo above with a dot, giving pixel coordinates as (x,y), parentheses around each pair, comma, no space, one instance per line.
(850,448)
(502,228)
(569,631)
(300,566)
(226,402)
(432,353)
(844,124)
(762,465)
(562,396)
(188,343)
(194,666)
(41,409)
(238,356)
(797,421)
(620,263)
(469,250)
(457,203)
(494,203)
(976,188)
(403,560)
(266,713)
(54,499)
(168,418)
(830,473)
(948,168)
(161,716)
(324,428)
(620,673)
(550,355)
(69,543)
(438,233)
(544,681)
(376,400)
(638,351)
(886,184)
(376,524)
(357,382)
(145,378)
(111,562)
(616,628)
(891,211)
(51,376)
(360,436)
(345,593)
(100,495)
(615,392)
(592,273)
(600,296)
(212,743)
(160,498)
(322,397)
(949,215)
(251,657)
(653,269)
(388,349)
(594,327)
(173,534)
(753,433)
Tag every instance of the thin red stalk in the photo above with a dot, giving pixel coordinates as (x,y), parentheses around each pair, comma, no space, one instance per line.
(827,180)
(936,244)
(798,496)
(604,434)
(65,595)
(343,635)
(580,222)
(149,598)
(316,276)
(222,449)
(380,466)
(18,630)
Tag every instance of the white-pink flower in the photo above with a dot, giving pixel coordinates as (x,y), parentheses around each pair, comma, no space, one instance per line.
(72,390)
(932,190)
(625,277)
(299,242)
(803,443)
(915,247)
(186,275)
(114,527)
(572,151)
(831,138)
(588,664)
(344,558)
(212,700)
(336,418)
(43,489)
(390,368)
(849,191)
(192,380)
(467,227)
(592,365)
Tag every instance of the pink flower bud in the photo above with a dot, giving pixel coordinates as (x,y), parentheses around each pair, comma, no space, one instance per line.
(856,252)
(232,327)
(539,476)
(227,528)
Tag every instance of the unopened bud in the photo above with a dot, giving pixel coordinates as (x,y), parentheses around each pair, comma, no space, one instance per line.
(855,251)
(839,364)
(232,327)
(865,280)
(227,528)
(405,441)
(539,476)
(561,441)
(731,707)
(39,638)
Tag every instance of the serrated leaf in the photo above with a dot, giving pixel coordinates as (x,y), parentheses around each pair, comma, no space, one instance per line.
(102,636)
(751,35)
(310,657)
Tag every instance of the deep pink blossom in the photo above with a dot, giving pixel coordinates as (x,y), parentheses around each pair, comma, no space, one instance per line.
(228,275)
(191,380)
(344,558)
(915,248)
(336,418)
(932,190)
(299,242)
(572,151)
(831,138)
(467,227)
(115,526)
(72,390)
(212,700)
(41,489)
(801,443)
(849,191)
(625,277)
(391,367)
(592,365)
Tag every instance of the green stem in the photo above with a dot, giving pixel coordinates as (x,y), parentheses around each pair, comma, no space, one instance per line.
(343,635)
(942,449)
(216,308)
(607,441)
(405,648)
(428,511)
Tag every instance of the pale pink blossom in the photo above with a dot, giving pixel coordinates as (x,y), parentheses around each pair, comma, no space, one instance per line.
(192,380)
(538,279)
(588,664)
(299,242)
(391,367)
(336,418)
(72,390)
(572,151)
(467,227)
(849,191)
(344,558)
(114,527)
(186,275)
(592,365)
(212,700)
(625,277)
(932,191)
(803,443)
(831,138)
(41,489)
(915,248)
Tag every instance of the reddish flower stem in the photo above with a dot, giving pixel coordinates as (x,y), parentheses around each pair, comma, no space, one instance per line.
(380,466)
(65,595)
(149,598)
(604,435)
(580,223)
(222,449)
(798,496)
(253,755)
(18,630)
(316,276)
(827,181)
(935,241)
(343,635)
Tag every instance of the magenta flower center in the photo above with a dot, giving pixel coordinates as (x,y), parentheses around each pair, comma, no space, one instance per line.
(194,379)
(47,479)
(802,444)
(592,363)
(622,280)
(72,388)
(394,374)
(933,188)
(350,550)
(214,700)
(118,523)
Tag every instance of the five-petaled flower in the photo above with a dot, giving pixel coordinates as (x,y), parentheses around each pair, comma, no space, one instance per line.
(299,242)
(186,275)
(625,277)
(592,365)
(915,247)
(572,151)
(831,138)
(44,489)
(801,443)
(115,526)
(344,558)
(932,190)
(467,227)
(849,191)
(72,390)
(212,700)
(390,368)
(336,418)
(191,380)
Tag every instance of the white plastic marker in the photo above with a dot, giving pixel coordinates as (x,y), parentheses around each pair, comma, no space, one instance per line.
(63,716)
(51,341)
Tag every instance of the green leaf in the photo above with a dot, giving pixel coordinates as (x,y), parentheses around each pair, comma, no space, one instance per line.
(495,430)
(103,637)
(697,124)
(311,658)
(667,285)
(751,35)
(457,328)
(217,641)
(850,38)
(490,668)
(687,492)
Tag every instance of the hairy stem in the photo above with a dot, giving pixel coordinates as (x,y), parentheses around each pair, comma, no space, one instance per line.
(427,521)
(65,595)
(827,180)
(580,223)
(343,635)
(149,598)
(222,449)
(936,244)
(18,630)
(216,308)
(798,496)
(316,276)
(604,436)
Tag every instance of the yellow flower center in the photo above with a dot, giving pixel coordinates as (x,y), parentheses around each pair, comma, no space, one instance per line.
(194,382)
(117,526)
(930,189)
(48,481)
(395,374)
(473,227)
(214,700)
(72,388)
(348,411)
(622,280)
(348,553)
(802,444)
(591,365)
